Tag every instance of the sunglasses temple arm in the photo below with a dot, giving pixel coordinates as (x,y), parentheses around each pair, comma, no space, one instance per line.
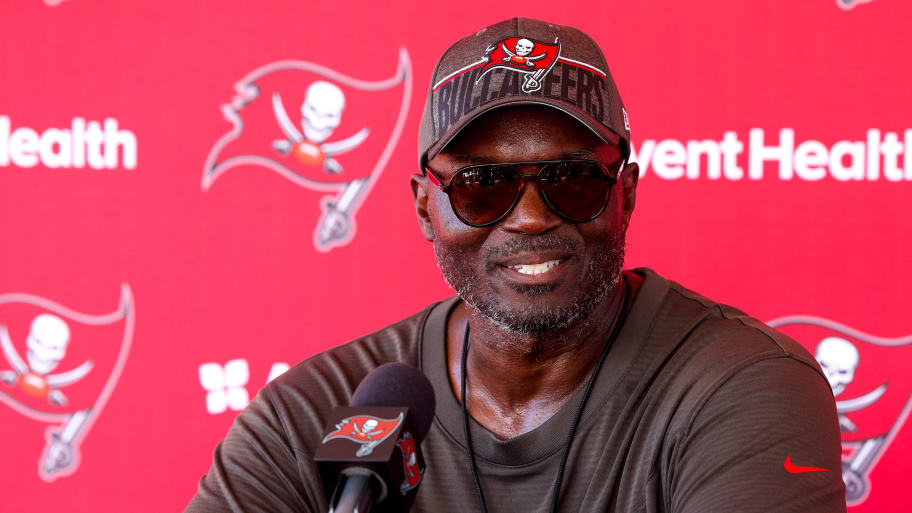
(433,178)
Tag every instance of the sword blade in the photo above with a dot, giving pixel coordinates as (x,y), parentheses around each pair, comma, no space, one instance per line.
(347,144)
(278,108)
(10,352)
(861,402)
(71,376)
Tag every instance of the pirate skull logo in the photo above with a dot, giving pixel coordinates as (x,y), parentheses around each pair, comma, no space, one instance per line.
(38,372)
(321,114)
(838,359)
(366,430)
(47,344)
(302,142)
(523,48)
(321,111)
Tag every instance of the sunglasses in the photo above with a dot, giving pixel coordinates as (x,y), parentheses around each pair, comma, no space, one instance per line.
(577,190)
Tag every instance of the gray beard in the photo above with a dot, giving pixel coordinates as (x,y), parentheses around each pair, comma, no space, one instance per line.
(600,278)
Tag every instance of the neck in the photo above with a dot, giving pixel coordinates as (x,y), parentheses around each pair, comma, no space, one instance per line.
(516,381)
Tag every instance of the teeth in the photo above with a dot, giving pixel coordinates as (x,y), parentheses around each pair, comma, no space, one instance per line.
(535,268)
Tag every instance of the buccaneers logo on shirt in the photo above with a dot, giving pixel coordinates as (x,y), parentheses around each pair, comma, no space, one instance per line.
(366,430)
(59,367)
(319,129)
(413,472)
(532,58)
(871,385)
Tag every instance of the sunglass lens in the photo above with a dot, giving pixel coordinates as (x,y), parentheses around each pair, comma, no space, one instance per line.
(576,189)
(482,194)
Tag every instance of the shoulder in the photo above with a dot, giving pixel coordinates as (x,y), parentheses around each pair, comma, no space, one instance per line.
(717,332)
(704,347)
(303,395)
(738,395)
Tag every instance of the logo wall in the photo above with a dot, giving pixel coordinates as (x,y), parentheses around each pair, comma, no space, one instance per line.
(873,395)
(59,367)
(318,128)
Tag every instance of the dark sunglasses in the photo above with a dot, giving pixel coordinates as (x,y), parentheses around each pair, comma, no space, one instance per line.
(577,190)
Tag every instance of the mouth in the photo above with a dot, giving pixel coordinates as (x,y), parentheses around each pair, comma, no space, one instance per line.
(535,269)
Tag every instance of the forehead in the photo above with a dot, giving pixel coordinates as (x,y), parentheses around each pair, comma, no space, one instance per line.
(525,132)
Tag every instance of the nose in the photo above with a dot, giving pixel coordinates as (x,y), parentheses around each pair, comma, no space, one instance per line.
(531,215)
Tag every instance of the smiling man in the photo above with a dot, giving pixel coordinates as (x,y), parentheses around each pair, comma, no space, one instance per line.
(563,383)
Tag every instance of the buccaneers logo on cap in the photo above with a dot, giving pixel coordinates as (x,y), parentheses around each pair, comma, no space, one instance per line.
(872,389)
(532,58)
(366,430)
(413,472)
(59,366)
(318,128)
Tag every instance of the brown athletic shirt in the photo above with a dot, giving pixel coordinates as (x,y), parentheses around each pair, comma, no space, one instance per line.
(695,411)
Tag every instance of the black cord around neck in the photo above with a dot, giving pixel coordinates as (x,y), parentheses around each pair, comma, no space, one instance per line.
(470,454)
(465,423)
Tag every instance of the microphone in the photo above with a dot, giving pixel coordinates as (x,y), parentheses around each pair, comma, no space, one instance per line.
(370,458)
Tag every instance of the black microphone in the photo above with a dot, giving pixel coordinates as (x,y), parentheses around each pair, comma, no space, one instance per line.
(370,458)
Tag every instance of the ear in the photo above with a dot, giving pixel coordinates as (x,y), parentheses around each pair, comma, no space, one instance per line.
(629,178)
(419,184)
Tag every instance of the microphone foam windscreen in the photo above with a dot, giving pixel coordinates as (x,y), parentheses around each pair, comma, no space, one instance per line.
(399,384)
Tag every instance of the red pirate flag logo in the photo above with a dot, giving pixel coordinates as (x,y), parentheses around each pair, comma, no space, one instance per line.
(532,58)
(872,389)
(319,129)
(411,469)
(60,366)
(368,431)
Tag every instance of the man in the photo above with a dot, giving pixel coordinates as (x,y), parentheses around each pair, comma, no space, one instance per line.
(587,388)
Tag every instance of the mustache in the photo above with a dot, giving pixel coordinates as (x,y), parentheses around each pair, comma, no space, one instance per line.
(528,243)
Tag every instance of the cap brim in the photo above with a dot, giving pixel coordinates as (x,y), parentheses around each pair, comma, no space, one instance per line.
(603,132)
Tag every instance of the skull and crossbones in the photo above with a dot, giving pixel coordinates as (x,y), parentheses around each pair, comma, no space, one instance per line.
(321,114)
(838,359)
(47,343)
(368,429)
(523,48)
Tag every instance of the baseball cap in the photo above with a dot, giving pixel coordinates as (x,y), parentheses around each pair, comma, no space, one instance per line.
(515,62)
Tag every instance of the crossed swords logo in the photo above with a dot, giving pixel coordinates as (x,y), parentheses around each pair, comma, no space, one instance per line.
(306,144)
(524,47)
(336,223)
(47,341)
(34,381)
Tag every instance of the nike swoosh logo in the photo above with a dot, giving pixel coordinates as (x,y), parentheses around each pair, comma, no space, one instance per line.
(791,468)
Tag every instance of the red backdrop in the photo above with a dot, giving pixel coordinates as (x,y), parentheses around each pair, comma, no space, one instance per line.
(167,243)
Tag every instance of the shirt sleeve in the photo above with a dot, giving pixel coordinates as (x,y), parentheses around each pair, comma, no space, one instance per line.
(754,442)
(255,468)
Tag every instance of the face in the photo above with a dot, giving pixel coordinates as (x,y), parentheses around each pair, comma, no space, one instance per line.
(532,271)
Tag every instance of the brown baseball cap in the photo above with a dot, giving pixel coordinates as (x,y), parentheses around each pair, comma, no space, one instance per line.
(521,61)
